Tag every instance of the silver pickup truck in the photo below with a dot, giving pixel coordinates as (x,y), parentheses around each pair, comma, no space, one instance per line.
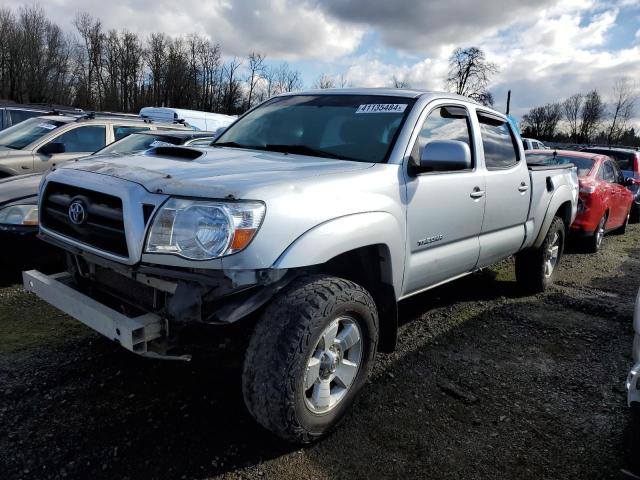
(296,235)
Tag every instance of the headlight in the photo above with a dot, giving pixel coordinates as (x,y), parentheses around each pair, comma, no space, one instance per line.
(19,215)
(202,230)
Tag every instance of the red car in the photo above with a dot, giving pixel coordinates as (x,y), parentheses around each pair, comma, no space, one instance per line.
(604,203)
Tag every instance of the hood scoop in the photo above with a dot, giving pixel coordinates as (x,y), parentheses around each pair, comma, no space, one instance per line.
(177,153)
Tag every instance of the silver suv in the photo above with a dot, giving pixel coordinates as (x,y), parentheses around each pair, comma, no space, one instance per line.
(40,143)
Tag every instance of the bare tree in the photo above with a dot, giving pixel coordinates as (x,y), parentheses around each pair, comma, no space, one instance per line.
(232,83)
(398,83)
(470,73)
(542,122)
(256,68)
(324,81)
(343,81)
(92,36)
(622,108)
(571,109)
(591,115)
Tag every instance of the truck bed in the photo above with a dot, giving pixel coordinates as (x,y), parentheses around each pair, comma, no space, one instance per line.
(545,180)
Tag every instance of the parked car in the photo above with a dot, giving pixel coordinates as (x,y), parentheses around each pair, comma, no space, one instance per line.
(628,160)
(40,143)
(531,144)
(19,199)
(193,118)
(14,113)
(604,204)
(310,218)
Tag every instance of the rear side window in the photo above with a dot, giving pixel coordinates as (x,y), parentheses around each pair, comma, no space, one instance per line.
(498,142)
(84,139)
(121,131)
(607,173)
(443,123)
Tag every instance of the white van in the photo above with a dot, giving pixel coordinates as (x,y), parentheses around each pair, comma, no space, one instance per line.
(198,120)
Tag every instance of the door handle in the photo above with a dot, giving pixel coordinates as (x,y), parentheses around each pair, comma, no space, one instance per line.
(477,193)
(523,187)
(24,167)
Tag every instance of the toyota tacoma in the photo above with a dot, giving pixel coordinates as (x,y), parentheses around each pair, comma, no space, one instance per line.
(296,234)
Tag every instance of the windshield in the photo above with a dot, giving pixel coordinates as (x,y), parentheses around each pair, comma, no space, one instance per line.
(584,165)
(24,133)
(137,142)
(349,127)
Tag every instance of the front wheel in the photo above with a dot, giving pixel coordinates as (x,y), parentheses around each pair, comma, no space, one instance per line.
(535,267)
(310,354)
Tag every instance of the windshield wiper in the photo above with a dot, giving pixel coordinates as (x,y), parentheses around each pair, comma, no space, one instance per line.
(305,150)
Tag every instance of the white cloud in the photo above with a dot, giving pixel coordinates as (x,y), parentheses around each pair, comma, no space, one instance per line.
(284,29)
(545,57)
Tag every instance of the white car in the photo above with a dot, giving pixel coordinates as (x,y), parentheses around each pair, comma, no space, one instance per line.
(633,380)
(531,144)
(198,120)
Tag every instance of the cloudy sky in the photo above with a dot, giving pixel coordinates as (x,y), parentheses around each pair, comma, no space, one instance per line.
(546,49)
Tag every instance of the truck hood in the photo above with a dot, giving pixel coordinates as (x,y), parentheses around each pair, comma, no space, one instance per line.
(217,173)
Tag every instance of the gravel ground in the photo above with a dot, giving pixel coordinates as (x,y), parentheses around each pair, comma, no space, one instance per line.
(486,383)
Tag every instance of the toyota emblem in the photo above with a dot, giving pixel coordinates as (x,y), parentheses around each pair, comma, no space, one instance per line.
(77,212)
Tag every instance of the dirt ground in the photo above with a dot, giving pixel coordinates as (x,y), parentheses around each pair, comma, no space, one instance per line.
(486,383)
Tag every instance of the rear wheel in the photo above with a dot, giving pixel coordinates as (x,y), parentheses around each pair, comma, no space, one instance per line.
(535,267)
(310,355)
(593,242)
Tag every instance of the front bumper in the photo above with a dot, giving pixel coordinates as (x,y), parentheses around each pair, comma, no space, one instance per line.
(136,334)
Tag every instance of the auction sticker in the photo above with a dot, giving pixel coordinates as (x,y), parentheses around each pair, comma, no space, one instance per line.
(47,126)
(382,108)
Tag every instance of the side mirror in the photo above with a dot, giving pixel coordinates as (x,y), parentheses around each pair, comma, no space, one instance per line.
(218,132)
(445,156)
(52,148)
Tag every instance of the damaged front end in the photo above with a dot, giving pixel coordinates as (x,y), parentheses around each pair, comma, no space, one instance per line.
(151,309)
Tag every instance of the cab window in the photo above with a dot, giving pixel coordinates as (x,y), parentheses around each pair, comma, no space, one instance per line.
(498,142)
(443,123)
(88,138)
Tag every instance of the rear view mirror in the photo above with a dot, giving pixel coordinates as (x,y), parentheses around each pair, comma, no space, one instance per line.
(52,148)
(445,156)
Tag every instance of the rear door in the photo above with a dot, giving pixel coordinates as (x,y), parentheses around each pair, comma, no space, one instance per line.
(508,190)
(445,208)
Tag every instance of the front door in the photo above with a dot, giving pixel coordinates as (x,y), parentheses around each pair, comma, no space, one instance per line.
(508,190)
(79,141)
(445,209)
